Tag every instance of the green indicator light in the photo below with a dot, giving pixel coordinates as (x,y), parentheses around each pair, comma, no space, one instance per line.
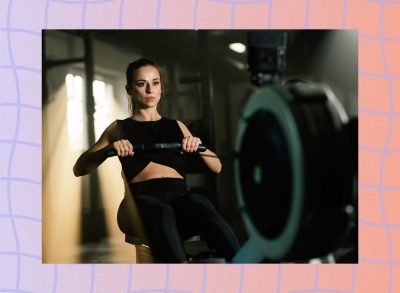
(257,174)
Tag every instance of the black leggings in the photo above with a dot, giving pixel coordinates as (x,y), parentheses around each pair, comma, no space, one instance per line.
(170,214)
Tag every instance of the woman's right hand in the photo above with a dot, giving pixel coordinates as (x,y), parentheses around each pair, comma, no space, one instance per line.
(123,147)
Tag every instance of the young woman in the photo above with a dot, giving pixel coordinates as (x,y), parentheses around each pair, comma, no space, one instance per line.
(157,179)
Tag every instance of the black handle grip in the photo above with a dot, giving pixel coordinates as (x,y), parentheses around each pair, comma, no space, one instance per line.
(111,153)
(174,146)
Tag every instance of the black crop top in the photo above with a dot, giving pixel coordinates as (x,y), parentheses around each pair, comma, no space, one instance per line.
(162,131)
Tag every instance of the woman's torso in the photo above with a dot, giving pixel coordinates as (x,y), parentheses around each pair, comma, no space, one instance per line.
(144,166)
(155,170)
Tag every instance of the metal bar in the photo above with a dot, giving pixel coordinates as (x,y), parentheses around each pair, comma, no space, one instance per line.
(61,62)
(207,105)
(190,79)
(90,104)
(206,85)
(94,221)
(75,33)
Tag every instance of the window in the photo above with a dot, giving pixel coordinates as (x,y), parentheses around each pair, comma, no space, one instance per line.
(102,98)
(75,111)
(102,93)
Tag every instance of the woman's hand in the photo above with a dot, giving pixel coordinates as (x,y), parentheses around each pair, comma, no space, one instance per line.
(190,144)
(123,147)
(210,158)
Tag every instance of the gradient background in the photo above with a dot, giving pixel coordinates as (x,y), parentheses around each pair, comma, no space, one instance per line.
(377,21)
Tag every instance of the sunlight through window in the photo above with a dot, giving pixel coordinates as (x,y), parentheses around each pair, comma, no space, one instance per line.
(102,97)
(75,111)
(102,93)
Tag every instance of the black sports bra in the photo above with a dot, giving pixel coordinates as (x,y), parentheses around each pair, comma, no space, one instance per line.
(161,131)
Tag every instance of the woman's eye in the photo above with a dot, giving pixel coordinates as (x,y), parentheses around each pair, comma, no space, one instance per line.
(156,83)
(140,84)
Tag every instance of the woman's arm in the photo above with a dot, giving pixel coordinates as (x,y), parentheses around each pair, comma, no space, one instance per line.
(191,143)
(96,154)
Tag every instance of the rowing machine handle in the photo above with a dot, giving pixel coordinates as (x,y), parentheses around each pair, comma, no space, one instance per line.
(174,146)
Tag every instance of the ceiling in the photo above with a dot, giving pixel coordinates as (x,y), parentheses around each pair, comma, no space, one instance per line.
(185,47)
(182,46)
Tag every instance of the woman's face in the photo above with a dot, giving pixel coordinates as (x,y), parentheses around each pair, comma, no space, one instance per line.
(146,87)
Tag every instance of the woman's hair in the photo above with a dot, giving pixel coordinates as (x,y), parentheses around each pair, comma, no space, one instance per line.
(135,65)
(130,72)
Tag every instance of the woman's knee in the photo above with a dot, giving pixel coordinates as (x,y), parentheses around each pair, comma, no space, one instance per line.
(166,212)
(200,202)
(155,210)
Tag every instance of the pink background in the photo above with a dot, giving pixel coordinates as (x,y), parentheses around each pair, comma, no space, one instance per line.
(377,22)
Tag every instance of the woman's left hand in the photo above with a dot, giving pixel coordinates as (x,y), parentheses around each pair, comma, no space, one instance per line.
(190,144)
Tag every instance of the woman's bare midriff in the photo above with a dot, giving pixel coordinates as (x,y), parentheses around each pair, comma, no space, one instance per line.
(154,170)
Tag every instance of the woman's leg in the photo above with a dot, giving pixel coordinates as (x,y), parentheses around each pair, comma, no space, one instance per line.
(160,225)
(195,213)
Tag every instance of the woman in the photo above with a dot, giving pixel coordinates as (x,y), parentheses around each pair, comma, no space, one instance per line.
(157,179)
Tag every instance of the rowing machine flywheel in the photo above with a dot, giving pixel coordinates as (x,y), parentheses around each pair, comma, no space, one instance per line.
(290,173)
